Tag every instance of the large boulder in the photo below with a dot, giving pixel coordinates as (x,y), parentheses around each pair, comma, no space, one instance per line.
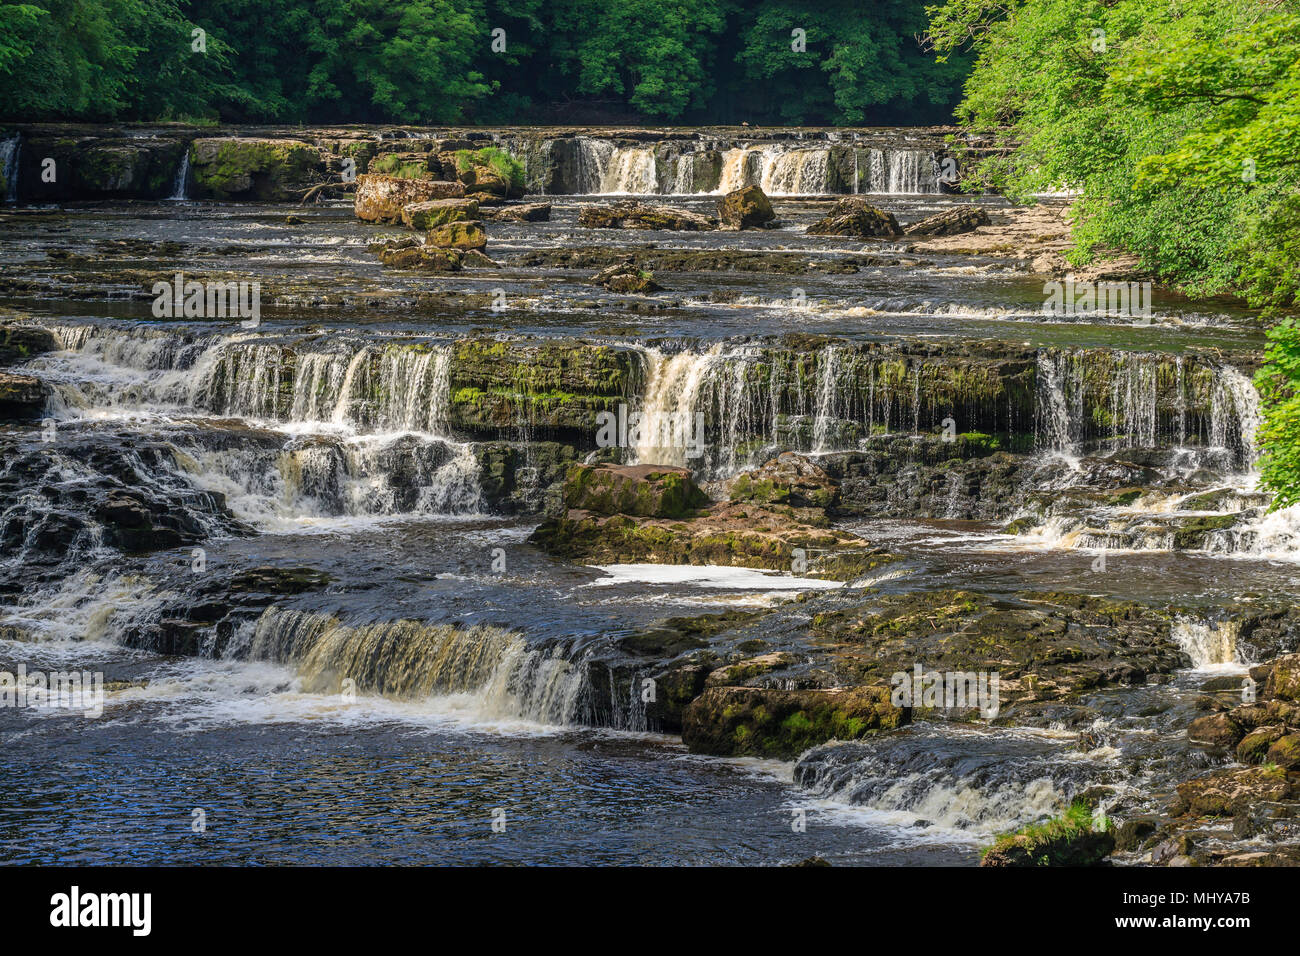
(650,491)
(1225,792)
(425,216)
(788,479)
(22,397)
(746,208)
(382,198)
(763,722)
(97,167)
(635,215)
(951,222)
(1069,841)
(458,235)
(266,170)
(857,219)
(18,343)
(1284,680)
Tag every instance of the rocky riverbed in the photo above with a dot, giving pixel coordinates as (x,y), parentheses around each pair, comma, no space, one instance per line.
(662,487)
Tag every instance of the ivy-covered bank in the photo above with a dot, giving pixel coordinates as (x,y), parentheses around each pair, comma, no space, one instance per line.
(1178,125)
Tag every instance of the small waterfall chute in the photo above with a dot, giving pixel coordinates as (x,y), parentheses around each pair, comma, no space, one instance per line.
(10,153)
(181,182)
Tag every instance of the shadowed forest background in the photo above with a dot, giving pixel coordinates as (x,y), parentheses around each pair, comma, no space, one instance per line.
(432,61)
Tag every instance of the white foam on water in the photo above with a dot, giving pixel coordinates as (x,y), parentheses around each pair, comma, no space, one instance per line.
(708,576)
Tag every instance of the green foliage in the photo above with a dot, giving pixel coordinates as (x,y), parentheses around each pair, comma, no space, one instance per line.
(434,61)
(866,62)
(1036,837)
(1279,434)
(495,159)
(1179,124)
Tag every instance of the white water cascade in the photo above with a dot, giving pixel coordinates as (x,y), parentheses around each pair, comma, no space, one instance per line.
(10,150)
(182,181)
(1211,645)
(630,171)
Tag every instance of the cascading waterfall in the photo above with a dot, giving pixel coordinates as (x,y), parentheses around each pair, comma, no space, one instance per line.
(956,779)
(410,660)
(593,157)
(1112,400)
(380,414)
(630,171)
(1054,431)
(180,185)
(601,166)
(794,172)
(1212,645)
(10,150)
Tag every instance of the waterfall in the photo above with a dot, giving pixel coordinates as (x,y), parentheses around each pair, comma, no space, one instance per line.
(180,184)
(1235,415)
(827,379)
(684,174)
(906,171)
(1210,645)
(10,150)
(630,171)
(593,157)
(953,778)
(794,172)
(1112,400)
(1054,426)
(802,168)
(671,395)
(406,659)
(735,169)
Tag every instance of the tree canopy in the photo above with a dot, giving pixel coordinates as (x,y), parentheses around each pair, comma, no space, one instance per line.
(473,61)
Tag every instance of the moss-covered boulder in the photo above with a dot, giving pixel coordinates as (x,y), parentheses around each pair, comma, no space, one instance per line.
(266,170)
(652,491)
(382,198)
(425,216)
(746,208)
(857,219)
(22,397)
(18,343)
(951,222)
(728,534)
(548,391)
(788,479)
(1068,840)
(97,167)
(761,722)
(458,235)
(1284,680)
(521,212)
(626,278)
(1226,792)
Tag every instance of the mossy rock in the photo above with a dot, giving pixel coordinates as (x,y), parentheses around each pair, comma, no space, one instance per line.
(459,235)
(425,216)
(650,491)
(760,722)
(267,170)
